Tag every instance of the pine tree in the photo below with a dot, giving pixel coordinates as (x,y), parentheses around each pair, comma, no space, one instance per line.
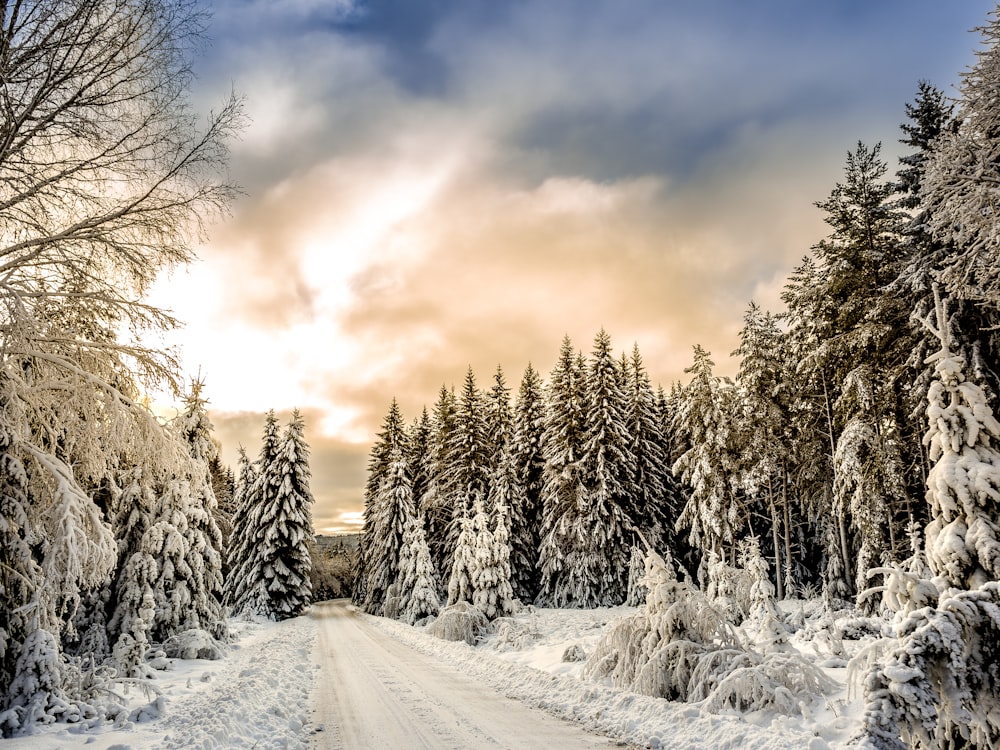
(385,522)
(383,529)
(656,490)
(609,475)
(529,465)
(417,586)
(491,572)
(562,481)
(468,458)
(499,417)
(960,179)
(712,514)
(963,487)
(286,517)
(250,596)
(763,382)
(435,502)
(204,538)
(460,585)
(241,543)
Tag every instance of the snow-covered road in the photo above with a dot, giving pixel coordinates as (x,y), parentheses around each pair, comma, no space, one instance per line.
(374,692)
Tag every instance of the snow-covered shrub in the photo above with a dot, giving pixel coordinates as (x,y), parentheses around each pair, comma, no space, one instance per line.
(459,622)
(781,682)
(938,687)
(680,647)
(194,644)
(513,634)
(574,653)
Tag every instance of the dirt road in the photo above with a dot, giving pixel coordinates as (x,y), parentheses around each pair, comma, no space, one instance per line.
(372,692)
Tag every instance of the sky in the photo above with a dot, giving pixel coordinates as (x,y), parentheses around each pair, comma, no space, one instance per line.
(433,185)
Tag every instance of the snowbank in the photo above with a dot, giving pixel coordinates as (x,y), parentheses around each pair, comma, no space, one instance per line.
(524,660)
(258,695)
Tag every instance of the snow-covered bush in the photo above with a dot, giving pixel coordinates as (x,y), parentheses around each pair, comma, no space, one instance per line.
(459,622)
(194,644)
(680,647)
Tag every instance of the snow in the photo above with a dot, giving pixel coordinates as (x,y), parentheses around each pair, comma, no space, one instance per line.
(258,695)
(261,694)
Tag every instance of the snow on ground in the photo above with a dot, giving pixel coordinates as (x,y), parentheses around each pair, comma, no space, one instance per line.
(523,659)
(260,695)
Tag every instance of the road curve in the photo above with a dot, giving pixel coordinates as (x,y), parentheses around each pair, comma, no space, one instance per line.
(374,693)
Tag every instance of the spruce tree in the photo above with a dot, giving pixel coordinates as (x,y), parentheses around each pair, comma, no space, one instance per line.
(529,465)
(417,585)
(240,541)
(286,517)
(385,522)
(562,481)
(712,513)
(435,502)
(469,459)
(656,490)
(250,596)
(609,466)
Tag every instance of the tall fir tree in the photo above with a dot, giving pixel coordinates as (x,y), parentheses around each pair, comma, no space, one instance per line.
(712,514)
(526,455)
(250,596)
(435,503)
(286,516)
(240,546)
(562,480)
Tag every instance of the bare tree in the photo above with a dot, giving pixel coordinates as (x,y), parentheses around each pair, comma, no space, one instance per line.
(106,179)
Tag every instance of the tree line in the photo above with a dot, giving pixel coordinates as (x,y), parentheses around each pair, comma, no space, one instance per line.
(817,446)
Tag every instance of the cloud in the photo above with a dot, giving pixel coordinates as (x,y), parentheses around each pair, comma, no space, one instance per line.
(439,184)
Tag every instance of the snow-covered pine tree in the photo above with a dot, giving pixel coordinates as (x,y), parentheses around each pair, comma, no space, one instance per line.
(385,522)
(240,540)
(506,492)
(204,537)
(938,688)
(491,590)
(417,585)
(529,465)
(610,510)
(469,458)
(868,481)
(419,459)
(382,537)
(960,180)
(249,597)
(434,504)
(19,573)
(712,514)
(499,420)
(286,517)
(460,586)
(656,490)
(562,484)
(963,486)
(764,424)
